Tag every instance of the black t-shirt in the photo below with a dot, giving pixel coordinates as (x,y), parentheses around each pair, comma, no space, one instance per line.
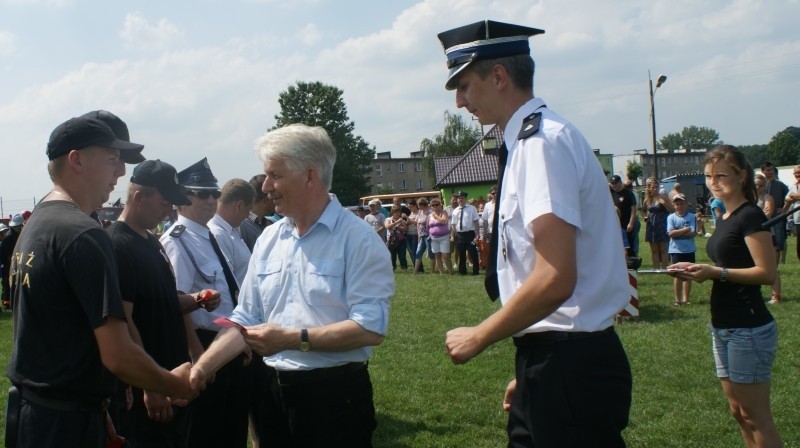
(624,200)
(734,305)
(147,281)
(64,285)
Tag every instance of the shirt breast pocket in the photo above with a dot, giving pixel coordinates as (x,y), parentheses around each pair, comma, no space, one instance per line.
(325,282)
(269,275)
(514,240)
(207,273)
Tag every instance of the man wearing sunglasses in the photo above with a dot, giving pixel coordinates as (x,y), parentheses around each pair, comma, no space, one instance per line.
(219,416)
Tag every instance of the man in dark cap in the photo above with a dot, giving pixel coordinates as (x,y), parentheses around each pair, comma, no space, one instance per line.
(219,415)
(151,304)
(625,200)
(65,277)
(464,233)
(552,215)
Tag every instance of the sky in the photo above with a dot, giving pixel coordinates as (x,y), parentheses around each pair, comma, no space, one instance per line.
(201,78)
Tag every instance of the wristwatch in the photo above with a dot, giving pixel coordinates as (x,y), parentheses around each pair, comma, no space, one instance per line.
(304,345)
(724,275)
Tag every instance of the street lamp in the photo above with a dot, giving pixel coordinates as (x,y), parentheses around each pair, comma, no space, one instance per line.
(661,80)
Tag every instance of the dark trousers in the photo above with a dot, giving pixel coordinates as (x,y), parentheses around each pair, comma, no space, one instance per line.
(399,252)
(219,413)
(331,407)
(142,432)
(570,392)
(44,427)
(464,242)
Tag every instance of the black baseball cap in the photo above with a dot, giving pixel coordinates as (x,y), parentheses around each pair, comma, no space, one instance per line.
(81,132)
(163,177)
(615,179)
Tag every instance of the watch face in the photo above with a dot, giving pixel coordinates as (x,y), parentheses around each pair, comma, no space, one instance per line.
(305,346)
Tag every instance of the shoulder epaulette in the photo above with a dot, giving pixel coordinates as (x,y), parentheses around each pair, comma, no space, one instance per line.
(530,125)
(177,230)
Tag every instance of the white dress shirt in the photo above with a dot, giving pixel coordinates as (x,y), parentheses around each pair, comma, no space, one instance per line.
(232,245)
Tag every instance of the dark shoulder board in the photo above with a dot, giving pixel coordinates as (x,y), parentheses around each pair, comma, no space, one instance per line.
(530,125)
(177,230)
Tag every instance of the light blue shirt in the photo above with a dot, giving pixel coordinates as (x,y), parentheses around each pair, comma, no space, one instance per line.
(339,270)
(716,203)
(684,244)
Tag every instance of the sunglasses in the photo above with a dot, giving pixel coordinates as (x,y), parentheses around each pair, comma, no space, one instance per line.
(204,194)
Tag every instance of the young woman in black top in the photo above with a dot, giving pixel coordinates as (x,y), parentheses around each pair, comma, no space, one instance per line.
(744,333)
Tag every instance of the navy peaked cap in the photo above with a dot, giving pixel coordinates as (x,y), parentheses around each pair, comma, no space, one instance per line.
(198,177)
(483,40)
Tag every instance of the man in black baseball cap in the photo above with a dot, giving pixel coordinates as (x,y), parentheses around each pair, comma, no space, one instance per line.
(82,132)
(150,299)
(75,264)
(163,177)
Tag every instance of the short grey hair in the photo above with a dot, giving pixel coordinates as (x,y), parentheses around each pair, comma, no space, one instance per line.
(301,147)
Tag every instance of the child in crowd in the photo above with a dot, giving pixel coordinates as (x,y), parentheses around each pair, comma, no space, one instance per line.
(681,228)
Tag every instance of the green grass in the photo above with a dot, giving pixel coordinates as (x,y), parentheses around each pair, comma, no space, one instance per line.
(423,400)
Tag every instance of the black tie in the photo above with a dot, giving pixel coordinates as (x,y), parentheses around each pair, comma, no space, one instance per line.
(233,287)
(461,220)
(491,283)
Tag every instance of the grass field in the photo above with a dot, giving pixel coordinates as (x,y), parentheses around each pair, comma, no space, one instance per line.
(423,400)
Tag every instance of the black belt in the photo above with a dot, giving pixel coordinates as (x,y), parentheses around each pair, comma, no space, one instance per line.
(545,337)
(296,377)
(64,404)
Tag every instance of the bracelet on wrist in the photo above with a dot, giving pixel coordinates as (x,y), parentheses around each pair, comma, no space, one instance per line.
(724,275)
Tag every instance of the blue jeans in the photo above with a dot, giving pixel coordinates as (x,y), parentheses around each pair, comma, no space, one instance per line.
(745,355)
(411,241)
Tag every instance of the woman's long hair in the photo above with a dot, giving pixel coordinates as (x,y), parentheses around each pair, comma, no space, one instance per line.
(739,163)
(649,197)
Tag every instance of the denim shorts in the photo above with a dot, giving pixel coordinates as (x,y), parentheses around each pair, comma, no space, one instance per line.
(745,355)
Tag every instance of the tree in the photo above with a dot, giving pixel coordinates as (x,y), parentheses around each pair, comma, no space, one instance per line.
(633,171)
(317,104)
(691,137)
(755,154)
(456,139)
(784,147)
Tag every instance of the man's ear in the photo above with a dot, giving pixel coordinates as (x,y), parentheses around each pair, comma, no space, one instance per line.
(500,76)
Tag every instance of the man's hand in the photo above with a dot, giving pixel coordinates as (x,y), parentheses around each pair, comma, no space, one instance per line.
(159,408)
(629,229)
(198,378)
(208,299)
(510,389)
(266,339)
(182,374)
(462,344)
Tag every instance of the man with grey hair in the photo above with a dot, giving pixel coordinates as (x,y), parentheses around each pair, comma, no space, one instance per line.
(314,302)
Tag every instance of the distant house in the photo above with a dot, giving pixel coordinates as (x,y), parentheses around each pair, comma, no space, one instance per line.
(474,172)
(400,175)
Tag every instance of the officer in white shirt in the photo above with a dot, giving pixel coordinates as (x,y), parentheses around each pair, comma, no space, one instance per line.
(560,273)
(464,233)
(219,415)
(233,207)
